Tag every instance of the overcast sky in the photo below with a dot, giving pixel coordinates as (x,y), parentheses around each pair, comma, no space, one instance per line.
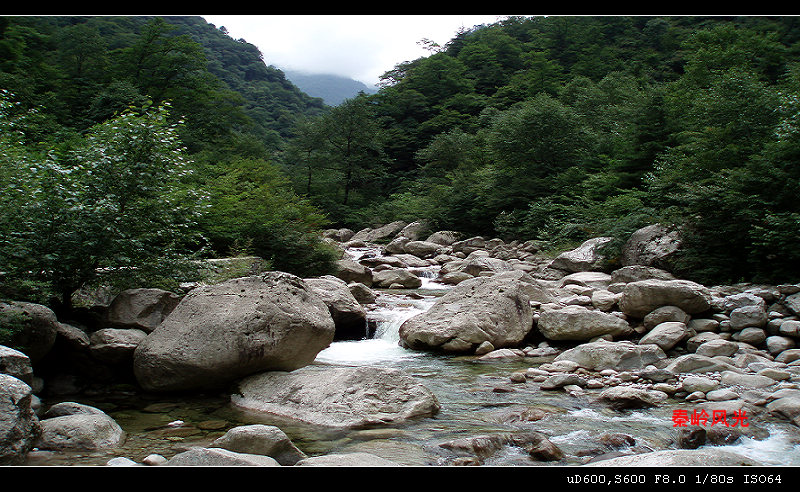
(361,47)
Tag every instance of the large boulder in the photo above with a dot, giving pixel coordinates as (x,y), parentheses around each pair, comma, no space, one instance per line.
(337,397)
(597,280)
(536,290)
(666,335)
(654,245)
(422,249)
(476,265)
(396,276)
(223,332)
(33,328)
(580,323)
(15,363)
(350,271)
(379,234)
(699,364)
(493,309)
(19,426)
(79,427)
(266,440)
(348,314)
(338,235)
(445,238)
(748,316)
(142,309)
(623,397)
(217,457)
(115,345)
(415,230)
(469,245)
(586,257)
(635,273)
(623,356)
(640,298)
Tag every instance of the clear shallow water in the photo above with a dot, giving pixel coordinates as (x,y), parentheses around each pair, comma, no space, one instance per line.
(477,399)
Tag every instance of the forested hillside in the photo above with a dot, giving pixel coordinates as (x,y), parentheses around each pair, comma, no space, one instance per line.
(131,145)
(332,89)
(130,141)
(565,128)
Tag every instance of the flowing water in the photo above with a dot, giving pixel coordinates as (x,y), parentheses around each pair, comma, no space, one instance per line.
(477,399)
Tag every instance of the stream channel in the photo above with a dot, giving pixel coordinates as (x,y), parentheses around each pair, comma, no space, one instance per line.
(476,398)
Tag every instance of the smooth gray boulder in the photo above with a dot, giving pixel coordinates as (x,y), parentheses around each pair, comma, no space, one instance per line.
(536,290)
(717,347)
(422,249)
(362,293)
(476,265)
(635,273)
(444,238)
(580,323)
(585,257)
(654,245)
(494,309)
(624,397)
(747,317)
(415,230)
(381,233)
(396,276)
(666,335)
(699,364)
(350,271)
(602,354)
(792,303)
(222,332)
(15,363)
(337,397)
(735,301)
(218,457)
(33,328)
(598,280)
(348,314)
(640,298)
(80,427)
(19,426)
(266,440)
(142,309)
(115,345)
(663,315)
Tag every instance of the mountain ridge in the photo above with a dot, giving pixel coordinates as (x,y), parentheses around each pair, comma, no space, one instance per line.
(332,89)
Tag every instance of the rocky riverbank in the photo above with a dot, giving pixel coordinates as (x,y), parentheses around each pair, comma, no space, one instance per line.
(716,360)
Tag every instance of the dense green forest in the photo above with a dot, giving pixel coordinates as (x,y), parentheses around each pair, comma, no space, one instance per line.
(133,144)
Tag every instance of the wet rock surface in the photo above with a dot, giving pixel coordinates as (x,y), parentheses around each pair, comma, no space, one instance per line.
(693,374)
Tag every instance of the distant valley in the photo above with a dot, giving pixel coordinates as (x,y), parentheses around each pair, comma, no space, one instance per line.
(332,89)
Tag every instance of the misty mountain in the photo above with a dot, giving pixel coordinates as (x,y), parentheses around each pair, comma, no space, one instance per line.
(333,89)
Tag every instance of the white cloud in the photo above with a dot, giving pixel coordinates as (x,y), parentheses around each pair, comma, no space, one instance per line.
(361,47)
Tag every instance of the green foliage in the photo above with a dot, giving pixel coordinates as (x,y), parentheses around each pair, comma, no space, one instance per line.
(109,205)
(12,323)
(346,145)
(252,208)
(552,128)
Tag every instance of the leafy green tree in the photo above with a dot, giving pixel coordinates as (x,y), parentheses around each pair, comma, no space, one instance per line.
(109,206)
(252,203)
(531,144)
(349,140)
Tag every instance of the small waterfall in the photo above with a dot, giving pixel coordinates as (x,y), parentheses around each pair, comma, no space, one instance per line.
(384,347)
(390,311)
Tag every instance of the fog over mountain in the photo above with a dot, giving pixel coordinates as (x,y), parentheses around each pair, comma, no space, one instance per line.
(333,89)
